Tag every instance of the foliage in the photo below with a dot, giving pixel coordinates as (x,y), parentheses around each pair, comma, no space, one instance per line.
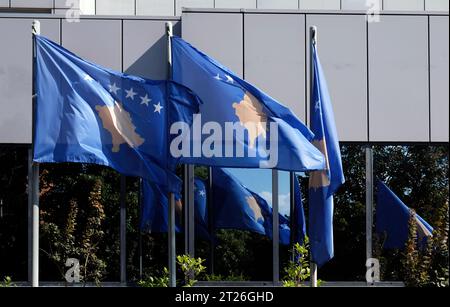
(191,268)
(6,283)
(219,277)
(297,270)
(156,281)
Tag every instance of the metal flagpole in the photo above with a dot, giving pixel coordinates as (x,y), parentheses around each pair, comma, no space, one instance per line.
(313,41)
(369,201)
(275,229)
(292,212)
(123,230)
(191,211)
(36,29)
(140,231)
(171,213)
(212,230)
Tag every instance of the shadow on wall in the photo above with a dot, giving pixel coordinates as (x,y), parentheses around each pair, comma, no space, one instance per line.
(152,64)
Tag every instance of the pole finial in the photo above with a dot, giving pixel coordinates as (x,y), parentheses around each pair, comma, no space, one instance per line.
(36,27)
(313,33)
(169,28)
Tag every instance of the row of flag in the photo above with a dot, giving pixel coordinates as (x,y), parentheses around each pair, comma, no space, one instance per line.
(89,114)
(234,206)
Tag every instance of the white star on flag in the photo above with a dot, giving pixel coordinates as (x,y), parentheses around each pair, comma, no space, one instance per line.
(88,78)
(217,77)
(145,100)
(317,106)
(158,107)
(229,79)
(130,93)
(201,193)
(113,88)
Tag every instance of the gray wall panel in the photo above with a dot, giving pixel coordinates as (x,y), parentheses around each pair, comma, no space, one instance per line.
(32,3)
(278,4)
(398,72)
(343,55)
(439,77)
(4,3)
(99,41)
(240,4)
(16,77)
(145,48)
(115,7)
(274,62)
(403,5)
(192,4)
(218,35)
(155,7)
(320,4)
(436,5)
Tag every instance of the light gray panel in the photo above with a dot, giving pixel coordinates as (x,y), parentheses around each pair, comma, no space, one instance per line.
(274,62)
(115,7)
(342,51)
(4,3)
(219,35)
(398,75)
(65,4)
(278,4)
(403,5)
(228,4)
(436,5)
(439,77)
(87,7)
(193,4)
(145,48)
(16,76)
(320,4)
(32,3)
(357,4)
(155,7)
(99,41)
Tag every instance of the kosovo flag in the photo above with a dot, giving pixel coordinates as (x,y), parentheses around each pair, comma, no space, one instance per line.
(155,209)
(323,184)
(89,114)
(393,220)
(236,207)
(260,122)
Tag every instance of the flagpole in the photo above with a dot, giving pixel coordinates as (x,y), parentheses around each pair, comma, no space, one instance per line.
(140,231)
(191,211)
(171,213)
(36,30)
(313,41)
(275,229)
(369,201)
(292,213)
(212,229)
(123,230)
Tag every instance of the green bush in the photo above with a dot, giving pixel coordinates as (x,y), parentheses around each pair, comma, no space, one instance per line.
(191,268)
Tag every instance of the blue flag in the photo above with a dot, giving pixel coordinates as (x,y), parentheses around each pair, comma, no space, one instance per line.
(236,207)
(89,114)
(155,209)
(300,214)
(323,184)
(393,220)
(239,125)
